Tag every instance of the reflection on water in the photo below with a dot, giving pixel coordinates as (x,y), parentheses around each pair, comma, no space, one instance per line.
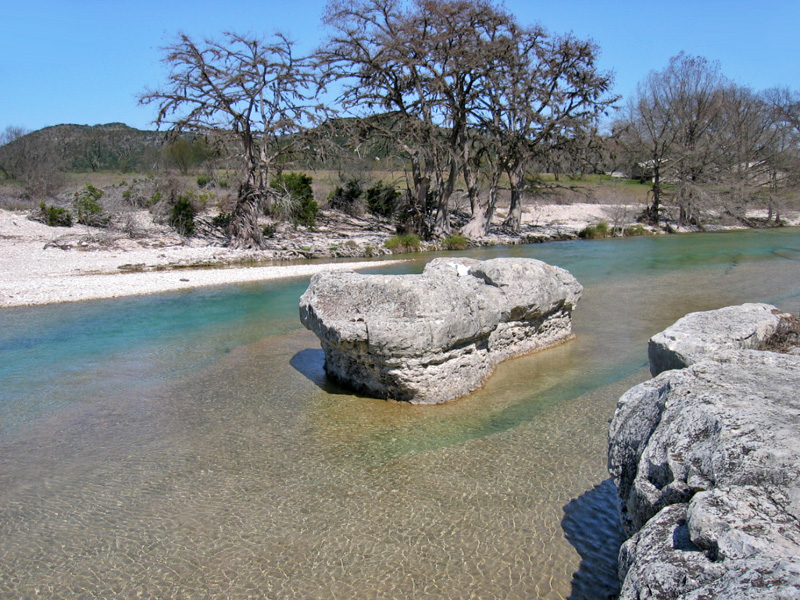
(188,445)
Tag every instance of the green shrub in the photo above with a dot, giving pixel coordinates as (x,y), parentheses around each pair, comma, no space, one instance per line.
(269,230)
(181,216)
(407,242)
(455,242)
(383,199)
(203,181)
(222,220)
(298,187)
(347,198)
(55,216)
(598,230)
(635,230)
(88,208)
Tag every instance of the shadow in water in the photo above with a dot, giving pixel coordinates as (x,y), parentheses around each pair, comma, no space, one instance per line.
(592,526)
(311,364)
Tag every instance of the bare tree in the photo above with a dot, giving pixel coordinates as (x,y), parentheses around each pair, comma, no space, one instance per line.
(749,139)
(543,87)
(784,159)
(32,160)
(648,134)
(253,93)
(672,127)
(424,66)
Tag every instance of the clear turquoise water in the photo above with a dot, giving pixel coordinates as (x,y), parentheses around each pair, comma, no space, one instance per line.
(187,445)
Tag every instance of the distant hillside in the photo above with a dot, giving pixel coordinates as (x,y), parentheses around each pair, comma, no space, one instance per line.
(118,147)
(94,147)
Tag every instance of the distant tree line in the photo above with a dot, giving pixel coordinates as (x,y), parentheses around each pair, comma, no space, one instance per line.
(468,102)
(705,142)
(459,89)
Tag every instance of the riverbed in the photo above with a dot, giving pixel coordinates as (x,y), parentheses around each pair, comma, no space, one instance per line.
(187,445)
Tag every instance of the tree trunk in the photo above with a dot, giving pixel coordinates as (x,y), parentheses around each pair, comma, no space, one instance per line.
(471,179)
(652,213)
(478,226)
(441,225)
(244,229)
(514,219)
(414,219)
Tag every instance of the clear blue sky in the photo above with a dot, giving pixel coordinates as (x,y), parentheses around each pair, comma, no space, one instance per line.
(85,61)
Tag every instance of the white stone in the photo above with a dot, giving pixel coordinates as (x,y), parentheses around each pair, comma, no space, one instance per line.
(433,337)
(706,460)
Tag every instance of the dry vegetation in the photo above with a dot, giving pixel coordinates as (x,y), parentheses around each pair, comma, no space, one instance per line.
(786,339)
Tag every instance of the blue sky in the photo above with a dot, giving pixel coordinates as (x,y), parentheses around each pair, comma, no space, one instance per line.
(85,61)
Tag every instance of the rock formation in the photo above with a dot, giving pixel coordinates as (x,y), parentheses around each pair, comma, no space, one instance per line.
(700,334)
(707,464)
(433,337)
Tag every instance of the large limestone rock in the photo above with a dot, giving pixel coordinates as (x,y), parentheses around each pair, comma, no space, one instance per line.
(433,337)
(699,334)
(707,464)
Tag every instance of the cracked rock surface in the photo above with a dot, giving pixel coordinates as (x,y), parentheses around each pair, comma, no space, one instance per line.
(707,464)
(433,337)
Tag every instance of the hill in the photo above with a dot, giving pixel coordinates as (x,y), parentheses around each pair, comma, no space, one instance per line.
(113,146)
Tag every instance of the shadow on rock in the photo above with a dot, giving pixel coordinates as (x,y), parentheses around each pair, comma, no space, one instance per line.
(592,526)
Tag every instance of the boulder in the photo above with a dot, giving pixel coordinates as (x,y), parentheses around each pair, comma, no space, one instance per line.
(706,460)
(700,334)
(433,337)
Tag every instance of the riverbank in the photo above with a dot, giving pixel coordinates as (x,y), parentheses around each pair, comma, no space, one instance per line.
(43,265)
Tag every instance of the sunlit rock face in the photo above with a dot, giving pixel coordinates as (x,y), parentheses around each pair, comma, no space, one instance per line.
(433,337)
(706,460)
(700,334)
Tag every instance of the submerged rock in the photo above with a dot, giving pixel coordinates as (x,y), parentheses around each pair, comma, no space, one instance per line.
(707,464)
(433,337)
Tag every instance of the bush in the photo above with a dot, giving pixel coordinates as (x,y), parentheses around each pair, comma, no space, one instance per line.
(347,198)
(222,220)
(635,230)
(297,187)
(203,181)
(455,242)
(407,242)
(88,208)
(181,216)
(598,230)
(268,231)
(383,199)
(55,216)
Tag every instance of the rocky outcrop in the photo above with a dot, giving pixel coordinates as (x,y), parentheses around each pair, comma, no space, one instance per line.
(433,337)
(707,464)
(701,334)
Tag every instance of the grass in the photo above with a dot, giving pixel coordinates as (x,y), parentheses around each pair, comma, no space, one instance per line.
(596,231)
(455,242)
(403,243)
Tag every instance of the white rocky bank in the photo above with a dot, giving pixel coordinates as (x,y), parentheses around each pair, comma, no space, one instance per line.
(433,337)
(706,458)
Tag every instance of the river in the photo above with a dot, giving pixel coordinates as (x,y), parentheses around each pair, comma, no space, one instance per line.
(187,445)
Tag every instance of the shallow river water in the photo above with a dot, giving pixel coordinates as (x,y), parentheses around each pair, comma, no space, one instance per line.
(187,445)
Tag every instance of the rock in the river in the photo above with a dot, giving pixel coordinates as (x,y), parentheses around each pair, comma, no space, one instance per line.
(700,334)
(433,337)
(707,464)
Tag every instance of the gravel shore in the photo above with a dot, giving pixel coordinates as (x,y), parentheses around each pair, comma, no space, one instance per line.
(43,265)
